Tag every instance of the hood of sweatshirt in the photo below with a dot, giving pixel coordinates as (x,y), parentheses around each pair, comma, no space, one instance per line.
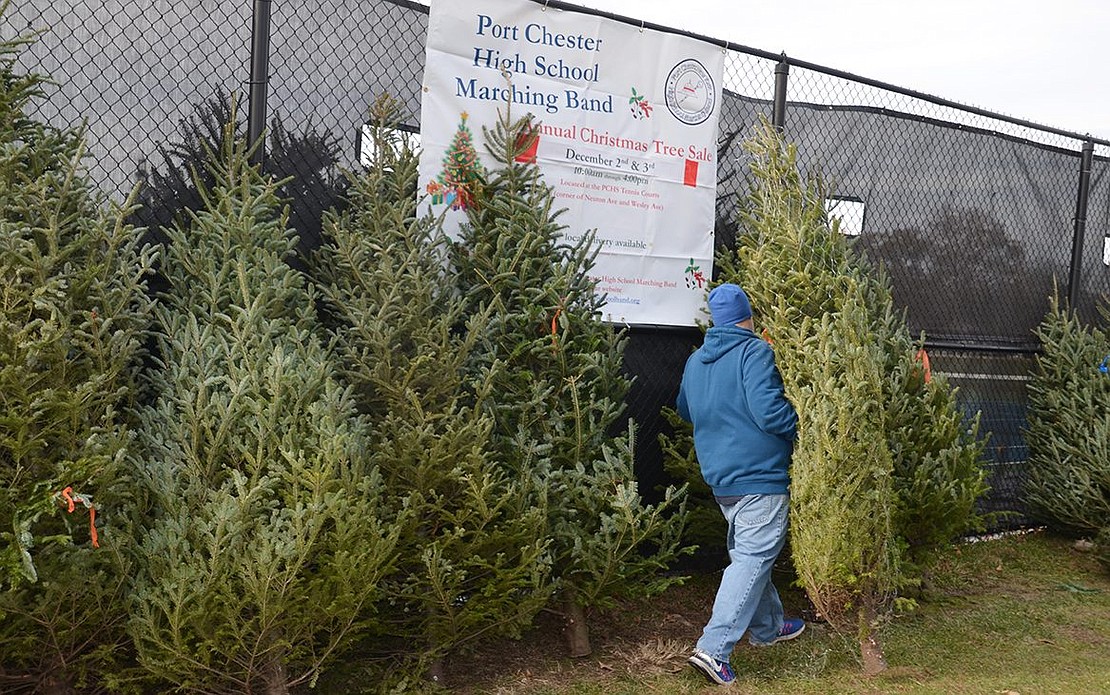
(719,340)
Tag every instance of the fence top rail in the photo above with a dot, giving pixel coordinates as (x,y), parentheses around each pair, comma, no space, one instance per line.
(805,65)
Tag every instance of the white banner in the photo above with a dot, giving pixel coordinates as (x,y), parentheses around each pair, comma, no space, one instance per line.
(627,138)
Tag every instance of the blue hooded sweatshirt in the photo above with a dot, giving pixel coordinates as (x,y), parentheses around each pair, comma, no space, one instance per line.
(743,425)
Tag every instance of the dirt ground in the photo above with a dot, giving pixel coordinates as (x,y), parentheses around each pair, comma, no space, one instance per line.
(638,636)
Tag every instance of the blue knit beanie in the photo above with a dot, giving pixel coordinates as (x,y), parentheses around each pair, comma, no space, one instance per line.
(729,305)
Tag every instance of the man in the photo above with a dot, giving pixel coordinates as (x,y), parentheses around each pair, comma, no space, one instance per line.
(744,435)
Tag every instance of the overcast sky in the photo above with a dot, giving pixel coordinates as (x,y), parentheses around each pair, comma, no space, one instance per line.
(1046,61)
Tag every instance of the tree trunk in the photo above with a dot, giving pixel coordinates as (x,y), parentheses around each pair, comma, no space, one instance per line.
(576,629)
(437,672)
(52,685)
(274,676)
(873,661)
(870,649)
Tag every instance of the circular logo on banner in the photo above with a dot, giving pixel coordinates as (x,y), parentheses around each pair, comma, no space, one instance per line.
(690,93)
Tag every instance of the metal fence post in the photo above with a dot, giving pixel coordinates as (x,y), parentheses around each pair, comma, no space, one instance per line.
(260,78)
(1075,272)
(778,113)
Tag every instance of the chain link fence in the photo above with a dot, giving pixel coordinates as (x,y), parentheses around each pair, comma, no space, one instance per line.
(975,216)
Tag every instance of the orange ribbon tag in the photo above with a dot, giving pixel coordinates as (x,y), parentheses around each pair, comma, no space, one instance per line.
(71,498)
(923,358)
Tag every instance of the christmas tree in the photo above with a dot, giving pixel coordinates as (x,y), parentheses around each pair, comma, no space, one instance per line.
(259,558)
(461,175)
(885,469)
(475,562)
(558,399)
(73,316)
(705,526)
(306,162)
(1068,428)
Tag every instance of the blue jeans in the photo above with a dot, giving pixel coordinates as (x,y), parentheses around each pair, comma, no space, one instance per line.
(746,599)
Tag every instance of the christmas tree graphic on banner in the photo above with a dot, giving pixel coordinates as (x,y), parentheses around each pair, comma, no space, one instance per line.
(455,184)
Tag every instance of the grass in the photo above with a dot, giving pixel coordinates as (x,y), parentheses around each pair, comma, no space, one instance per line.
(1022,615)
